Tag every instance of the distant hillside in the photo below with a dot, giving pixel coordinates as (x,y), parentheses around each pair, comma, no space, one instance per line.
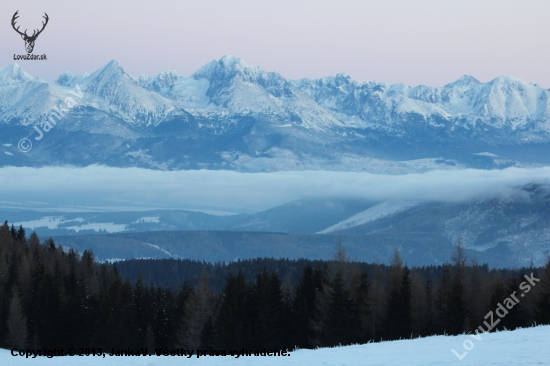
(507,231)
(227,246)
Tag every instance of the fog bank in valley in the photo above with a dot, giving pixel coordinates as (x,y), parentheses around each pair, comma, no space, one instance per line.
(123,188)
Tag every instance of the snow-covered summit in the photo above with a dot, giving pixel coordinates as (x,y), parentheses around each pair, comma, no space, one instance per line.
(231,70)
(13,74)
(464,80)
(16,86)
(227,66)
(112,90)
(106,78)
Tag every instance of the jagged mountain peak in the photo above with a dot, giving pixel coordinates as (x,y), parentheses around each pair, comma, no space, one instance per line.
(326,80)
(343,78)
(235,64)
(108,77)
(229,67)
(168,74)
(465,80)
(15,73)
(338,80)
(112,90)
(233,84)
(69,79)
(111,70)
(112,65)
(165,79)
(232,61)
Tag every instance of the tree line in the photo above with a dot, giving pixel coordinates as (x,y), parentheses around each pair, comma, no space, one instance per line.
(52,297)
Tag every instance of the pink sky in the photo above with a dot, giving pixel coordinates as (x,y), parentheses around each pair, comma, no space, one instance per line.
(414,42)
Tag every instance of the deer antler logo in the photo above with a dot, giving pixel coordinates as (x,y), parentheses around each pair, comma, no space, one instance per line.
(29,40)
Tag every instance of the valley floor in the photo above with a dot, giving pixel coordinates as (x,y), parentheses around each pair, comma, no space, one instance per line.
(520,347)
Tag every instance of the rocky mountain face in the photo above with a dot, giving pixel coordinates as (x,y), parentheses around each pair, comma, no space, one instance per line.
(229,115)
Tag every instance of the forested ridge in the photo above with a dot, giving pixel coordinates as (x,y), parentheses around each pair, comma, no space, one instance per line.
(51,297)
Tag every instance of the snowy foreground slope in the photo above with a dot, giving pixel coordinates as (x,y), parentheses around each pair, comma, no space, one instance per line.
(520,347)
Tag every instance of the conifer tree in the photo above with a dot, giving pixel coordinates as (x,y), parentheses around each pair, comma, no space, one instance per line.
(340,261)
(21,236)
(34,241)
(322,301)
(500,292)
(231,322)
(393,312)
(70,310)
(392,326)
(516,316)
(287,314)
(429,325)
(17,336)
(304,309)
(472,296)
(269,299)
(198,309)
(456,307)
(14,233)
(49,314)
(442,300)
(139,305)
(405,303)
(340,326)
(207,335)
(377,302)
(163,323)
(5,235)
(363,309)
(418,304)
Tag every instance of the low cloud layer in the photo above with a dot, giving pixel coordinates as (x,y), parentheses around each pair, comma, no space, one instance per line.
(123,188)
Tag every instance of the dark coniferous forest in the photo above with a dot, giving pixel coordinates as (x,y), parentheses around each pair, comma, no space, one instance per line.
(54,298)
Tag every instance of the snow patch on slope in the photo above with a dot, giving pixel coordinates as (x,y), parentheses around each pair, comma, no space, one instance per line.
(162,250)
(51,222)
(56,222)
(109,227)
(371,214)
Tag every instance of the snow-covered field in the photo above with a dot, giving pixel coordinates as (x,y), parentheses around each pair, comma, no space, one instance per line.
(520,347)
(54,222)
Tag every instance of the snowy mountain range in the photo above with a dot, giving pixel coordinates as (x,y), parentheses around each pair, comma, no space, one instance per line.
(229,115)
